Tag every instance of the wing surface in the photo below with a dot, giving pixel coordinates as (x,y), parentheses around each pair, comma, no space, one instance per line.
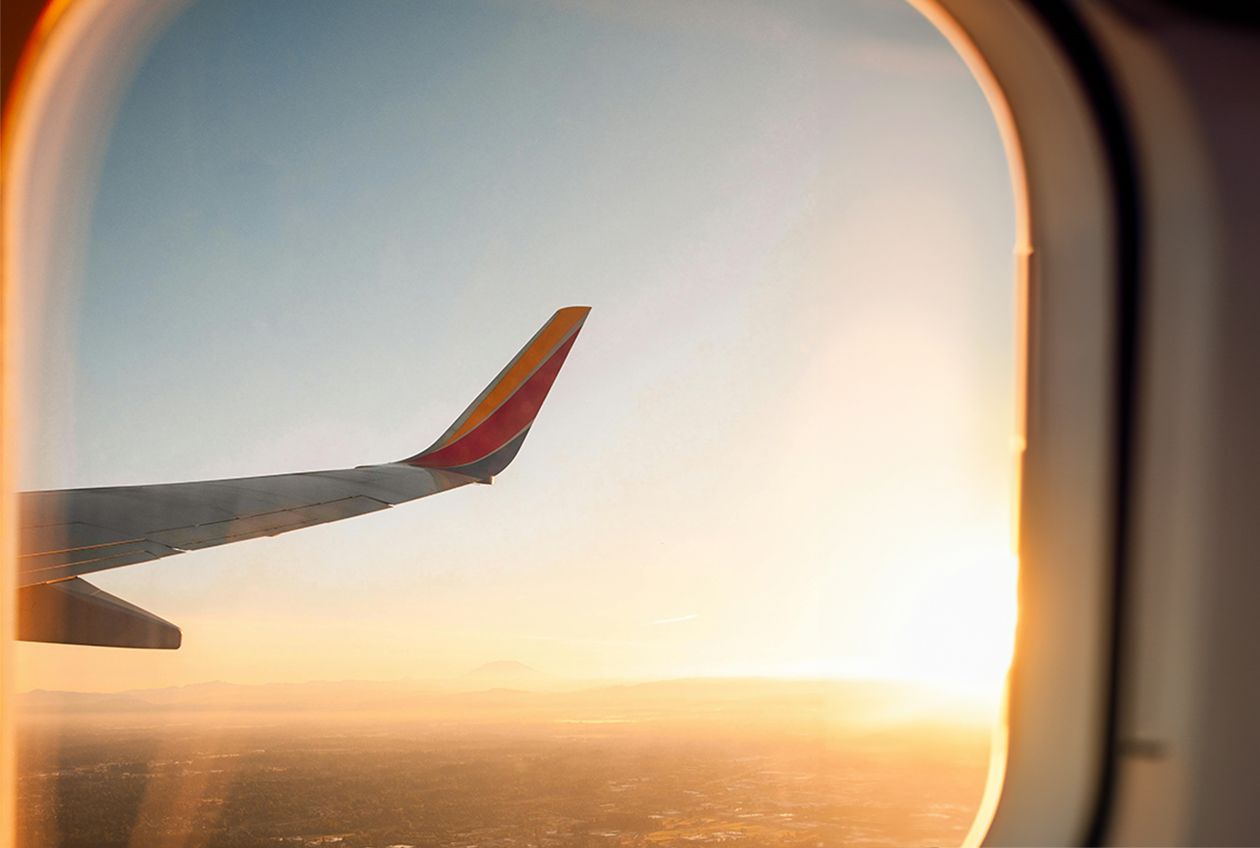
(71,532)
(78,531)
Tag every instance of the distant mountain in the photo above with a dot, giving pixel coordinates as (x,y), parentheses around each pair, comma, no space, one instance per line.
(510,691)
(45,701)
(506,670)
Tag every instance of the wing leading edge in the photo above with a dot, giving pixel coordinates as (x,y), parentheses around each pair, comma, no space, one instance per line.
(71,532)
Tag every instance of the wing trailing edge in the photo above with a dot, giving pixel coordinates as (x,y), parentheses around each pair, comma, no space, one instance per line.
(75,612)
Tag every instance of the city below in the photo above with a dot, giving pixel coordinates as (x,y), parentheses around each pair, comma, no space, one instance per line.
(503,757)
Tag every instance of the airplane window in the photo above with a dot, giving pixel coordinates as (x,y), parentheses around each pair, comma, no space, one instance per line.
(749,578)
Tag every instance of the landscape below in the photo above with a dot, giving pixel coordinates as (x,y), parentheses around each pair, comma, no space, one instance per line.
(529,762)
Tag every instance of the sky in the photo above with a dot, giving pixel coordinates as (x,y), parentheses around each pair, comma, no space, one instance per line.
(780,446)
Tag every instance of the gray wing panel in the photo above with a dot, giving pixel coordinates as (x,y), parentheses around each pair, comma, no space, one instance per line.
(77,531)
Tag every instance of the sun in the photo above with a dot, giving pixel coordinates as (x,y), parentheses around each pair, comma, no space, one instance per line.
(954,624)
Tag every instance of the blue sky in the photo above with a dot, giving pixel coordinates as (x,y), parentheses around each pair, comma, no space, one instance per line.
(320,228)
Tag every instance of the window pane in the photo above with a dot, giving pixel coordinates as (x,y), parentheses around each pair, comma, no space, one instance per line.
(748,580)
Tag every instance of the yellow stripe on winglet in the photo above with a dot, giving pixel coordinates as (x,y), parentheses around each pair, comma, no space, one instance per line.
(548,337)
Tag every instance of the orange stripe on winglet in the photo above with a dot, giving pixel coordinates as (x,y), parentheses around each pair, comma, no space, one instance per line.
(544,343)
(505,423)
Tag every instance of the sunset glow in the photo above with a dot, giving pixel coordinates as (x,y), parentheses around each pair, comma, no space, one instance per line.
(780,448)
(960,624)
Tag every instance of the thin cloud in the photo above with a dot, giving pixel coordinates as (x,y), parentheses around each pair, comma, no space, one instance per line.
(691,616)
(583,640)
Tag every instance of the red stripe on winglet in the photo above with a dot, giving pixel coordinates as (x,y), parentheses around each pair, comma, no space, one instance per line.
(506,421)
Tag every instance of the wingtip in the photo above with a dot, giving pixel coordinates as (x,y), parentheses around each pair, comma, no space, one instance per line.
(575,314)
(486,437)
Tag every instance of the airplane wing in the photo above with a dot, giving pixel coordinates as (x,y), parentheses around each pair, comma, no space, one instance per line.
(71,532)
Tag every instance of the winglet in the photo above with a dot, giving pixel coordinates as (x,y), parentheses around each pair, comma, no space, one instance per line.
(485,438)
